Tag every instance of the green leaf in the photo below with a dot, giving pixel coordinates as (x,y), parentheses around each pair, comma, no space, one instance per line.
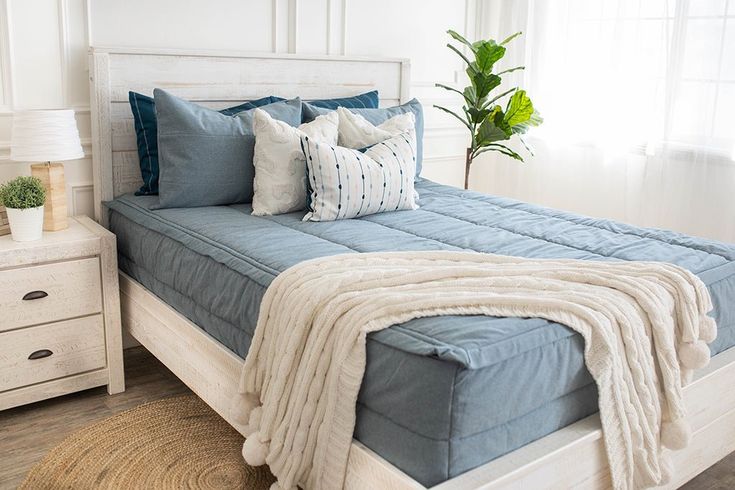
(527,146)
(499,120)
(497,97)
(492,128)
(484,83)
(470,95)
(455,115)
(477,115)
(519,110)
(461,55)
(486,54)
(499,148)
(457,37)
(511,70)
(451,89)
(524,127)
(506,151)
(467,116)
(510,38)
(472,70)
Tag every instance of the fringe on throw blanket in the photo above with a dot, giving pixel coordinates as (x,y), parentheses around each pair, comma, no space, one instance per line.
(644,324)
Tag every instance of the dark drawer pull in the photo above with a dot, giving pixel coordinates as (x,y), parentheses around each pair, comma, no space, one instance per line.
(40,354)
(35,295)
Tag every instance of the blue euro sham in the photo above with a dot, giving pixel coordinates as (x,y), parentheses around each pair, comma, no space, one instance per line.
(368,100)
(146,133)
(206,157)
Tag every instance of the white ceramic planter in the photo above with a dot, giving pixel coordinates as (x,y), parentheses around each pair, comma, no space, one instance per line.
(26,225)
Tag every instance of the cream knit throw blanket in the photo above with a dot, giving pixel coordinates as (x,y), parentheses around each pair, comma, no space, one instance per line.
(644,324)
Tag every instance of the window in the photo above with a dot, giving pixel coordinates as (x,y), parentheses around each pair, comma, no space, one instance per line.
(635,72)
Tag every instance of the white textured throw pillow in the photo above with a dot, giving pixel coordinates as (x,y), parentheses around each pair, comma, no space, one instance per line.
(280,170)
(346,183)
(357,132)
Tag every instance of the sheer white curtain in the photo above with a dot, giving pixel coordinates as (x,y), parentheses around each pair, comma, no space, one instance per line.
(638,98)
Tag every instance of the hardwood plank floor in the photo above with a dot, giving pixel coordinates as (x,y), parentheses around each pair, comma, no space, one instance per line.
(27,433)
(719,477)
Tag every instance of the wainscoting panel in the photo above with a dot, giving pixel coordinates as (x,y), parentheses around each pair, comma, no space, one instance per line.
(82,198)
(6,82)
(43,55)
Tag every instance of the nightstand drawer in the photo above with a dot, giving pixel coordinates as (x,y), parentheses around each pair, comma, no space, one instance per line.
(36,354)
(48,293)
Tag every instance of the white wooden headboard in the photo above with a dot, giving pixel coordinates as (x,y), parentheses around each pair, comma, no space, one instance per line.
(217,80)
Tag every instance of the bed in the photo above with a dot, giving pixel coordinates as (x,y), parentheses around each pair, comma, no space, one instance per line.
(449,401)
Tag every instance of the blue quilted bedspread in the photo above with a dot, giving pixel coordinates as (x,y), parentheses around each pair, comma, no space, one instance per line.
(441,395)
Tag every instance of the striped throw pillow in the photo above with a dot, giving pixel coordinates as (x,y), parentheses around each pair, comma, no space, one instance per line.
(346,183)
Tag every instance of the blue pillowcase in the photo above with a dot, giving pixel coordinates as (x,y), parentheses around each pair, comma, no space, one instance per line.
(378,116)
(146,131)
(206,157)
(146,127)
(368,100)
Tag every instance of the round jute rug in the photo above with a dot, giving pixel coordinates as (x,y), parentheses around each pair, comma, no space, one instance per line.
(172,443)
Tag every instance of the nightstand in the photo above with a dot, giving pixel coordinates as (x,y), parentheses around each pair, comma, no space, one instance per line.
(60,327)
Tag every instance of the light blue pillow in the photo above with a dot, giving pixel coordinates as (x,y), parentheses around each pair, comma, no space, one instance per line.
(205,157)
(378,116)
(146,131)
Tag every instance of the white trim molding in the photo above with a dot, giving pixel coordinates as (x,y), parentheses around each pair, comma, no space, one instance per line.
(336,20)
(64,50)
(293,26)
(6,57)
(82,196)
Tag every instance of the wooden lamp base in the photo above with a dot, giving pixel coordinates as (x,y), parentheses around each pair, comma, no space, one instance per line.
(4,224)
(54,211)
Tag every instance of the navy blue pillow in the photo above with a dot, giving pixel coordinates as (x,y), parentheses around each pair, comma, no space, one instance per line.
(146,131)
(368,100)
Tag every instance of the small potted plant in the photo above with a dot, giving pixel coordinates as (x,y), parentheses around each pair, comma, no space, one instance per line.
(23,198)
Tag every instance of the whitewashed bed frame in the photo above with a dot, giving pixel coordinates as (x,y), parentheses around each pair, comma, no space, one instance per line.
(571,457)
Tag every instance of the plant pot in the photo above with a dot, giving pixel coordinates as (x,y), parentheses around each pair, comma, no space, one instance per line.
(26,225)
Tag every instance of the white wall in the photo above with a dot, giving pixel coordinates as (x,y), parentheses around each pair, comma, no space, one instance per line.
(43,63)
(43,55)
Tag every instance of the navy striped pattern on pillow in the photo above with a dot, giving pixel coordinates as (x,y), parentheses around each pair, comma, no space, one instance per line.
(368,100)
(310,112)
(345,183)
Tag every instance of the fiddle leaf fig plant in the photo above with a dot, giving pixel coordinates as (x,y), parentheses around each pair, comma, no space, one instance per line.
(482,114)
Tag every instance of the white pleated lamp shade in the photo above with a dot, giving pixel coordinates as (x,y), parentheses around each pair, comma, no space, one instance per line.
(45,136)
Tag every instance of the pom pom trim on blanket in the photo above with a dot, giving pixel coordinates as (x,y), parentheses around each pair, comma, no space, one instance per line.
(645,325)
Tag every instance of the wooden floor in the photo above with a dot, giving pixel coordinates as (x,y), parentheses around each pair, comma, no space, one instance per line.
(27,433)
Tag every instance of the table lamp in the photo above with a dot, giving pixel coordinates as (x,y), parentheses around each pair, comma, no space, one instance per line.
(47,136)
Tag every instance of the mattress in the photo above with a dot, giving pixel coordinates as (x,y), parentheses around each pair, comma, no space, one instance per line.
(440,395)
